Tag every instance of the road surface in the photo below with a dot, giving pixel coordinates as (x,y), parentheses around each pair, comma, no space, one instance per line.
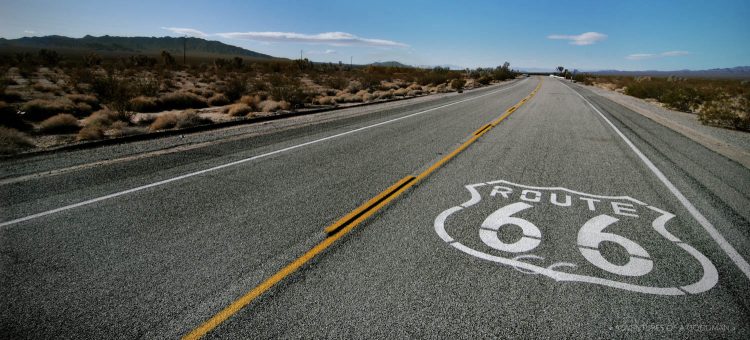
(571,217)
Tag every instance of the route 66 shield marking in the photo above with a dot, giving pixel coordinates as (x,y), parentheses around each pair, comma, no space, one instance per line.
(505,201)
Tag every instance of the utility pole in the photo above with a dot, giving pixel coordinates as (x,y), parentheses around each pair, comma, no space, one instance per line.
(351,59)
(300,55)
(184,49)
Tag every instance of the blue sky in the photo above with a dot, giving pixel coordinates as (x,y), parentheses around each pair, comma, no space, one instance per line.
(587,35)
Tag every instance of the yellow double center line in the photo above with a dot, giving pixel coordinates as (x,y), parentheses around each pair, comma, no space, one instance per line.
(344,225)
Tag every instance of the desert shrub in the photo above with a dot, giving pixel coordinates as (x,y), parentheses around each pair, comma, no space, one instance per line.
(164,121)
(400,92)
(144,87)
(365,95)
(84,98)
(239,109)
(503,72)
(726,114)
(90,133)
(335,82)
(235,88)
(344,97)
(484,80)
(218,100)
(11,96)
(9,118)
(354,87)
(182,100)
(143,104)
(326,100)
(105,118)
(291,93)
(458,84)
(252,101)
(40,109)
(61,123)
(46,88)
(114,91)
(273,106)
(13,141)
(383,94)
(49,57)
(120,129)
(190,118)
(180,120)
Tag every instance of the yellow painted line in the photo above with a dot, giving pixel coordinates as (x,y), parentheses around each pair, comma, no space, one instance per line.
(365,207)
(342,227)
(243,301)
(482,129)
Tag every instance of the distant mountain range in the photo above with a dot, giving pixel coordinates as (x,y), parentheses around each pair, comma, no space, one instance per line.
(140,45)
(741,72)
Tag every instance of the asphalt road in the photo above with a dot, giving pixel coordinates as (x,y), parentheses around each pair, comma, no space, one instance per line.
(551,224)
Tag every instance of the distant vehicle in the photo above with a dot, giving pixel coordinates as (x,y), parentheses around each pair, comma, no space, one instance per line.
(525,75)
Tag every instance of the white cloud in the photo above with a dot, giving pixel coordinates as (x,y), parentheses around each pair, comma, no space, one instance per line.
(29,32)
(642,56)
(328,38)
(588,38)
(186,31)
(329,51)
(639,56)
(674,53)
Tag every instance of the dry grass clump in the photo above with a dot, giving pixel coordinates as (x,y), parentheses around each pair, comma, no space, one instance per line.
(252,101)
(61,123)
(180,120)
(354,87)
(84,103)
(91,132)
(182,100)
(105,118)
(41,109)
(144,104)
(239,109)
(46,88)
(344,97)
(326,100)
(121,129)
(273,106)
(84,98)
(365,95)
(218,100)
(13,141)
(400,92)
(383,94)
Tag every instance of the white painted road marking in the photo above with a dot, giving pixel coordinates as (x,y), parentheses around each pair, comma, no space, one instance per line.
(589,237)
(741,263)
(196,173)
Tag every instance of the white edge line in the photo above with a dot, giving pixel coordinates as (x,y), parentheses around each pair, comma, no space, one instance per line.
(191,174)
(726,246)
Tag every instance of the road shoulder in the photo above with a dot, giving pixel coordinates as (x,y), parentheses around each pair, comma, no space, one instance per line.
(734,145)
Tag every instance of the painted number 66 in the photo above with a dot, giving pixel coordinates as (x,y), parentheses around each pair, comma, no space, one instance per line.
(590,236)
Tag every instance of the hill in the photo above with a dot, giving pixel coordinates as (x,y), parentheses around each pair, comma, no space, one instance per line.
(390,64)
(142,45)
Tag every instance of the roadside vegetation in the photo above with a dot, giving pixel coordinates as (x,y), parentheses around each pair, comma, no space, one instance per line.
(718,102)
(48,99)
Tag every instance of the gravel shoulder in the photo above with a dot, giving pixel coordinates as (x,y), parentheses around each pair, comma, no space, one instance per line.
(732,144)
